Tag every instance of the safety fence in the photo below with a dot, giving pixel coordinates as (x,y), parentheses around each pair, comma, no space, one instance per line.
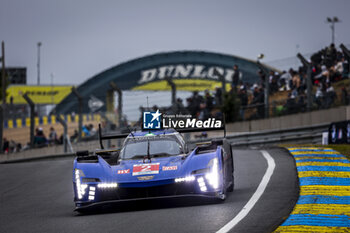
(48,120)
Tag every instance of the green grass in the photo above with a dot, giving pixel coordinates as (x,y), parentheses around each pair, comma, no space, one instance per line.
(343,149)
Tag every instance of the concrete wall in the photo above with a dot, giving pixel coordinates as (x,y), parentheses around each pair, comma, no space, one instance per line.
(292,121)
(52,150)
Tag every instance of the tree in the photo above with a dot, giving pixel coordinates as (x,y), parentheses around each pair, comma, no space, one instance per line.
(230,106)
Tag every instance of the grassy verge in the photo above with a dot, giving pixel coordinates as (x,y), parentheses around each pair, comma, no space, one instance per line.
(343,149)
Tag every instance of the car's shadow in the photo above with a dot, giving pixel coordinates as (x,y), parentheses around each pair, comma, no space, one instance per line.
(152,204)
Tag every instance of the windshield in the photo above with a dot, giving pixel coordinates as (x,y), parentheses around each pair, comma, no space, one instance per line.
(158,147)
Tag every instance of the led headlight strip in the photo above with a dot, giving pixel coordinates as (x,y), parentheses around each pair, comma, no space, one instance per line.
(185,179)
(213,176)
(107,185)
(80,187)
(201,184)
(92,190)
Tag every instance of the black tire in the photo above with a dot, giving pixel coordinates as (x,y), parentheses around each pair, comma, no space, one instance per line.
(223,195)
(232,185)
(232,179)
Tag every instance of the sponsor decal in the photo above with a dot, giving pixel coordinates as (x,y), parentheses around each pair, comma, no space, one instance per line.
(95,103)
(145,169)
(169,168)
(39,94)
(145,177)
(126,171)
(189,71)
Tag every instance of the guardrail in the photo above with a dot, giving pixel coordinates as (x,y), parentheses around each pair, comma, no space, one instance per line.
(307,135)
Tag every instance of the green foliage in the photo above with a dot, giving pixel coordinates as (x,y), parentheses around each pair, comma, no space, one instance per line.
(230,106)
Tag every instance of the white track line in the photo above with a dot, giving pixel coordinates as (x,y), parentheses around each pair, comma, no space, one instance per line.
(254,199)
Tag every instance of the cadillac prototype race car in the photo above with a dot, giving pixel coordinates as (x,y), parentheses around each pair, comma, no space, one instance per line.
(152,164)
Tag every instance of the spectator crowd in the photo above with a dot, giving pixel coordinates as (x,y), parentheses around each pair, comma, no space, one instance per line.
(329,66)
(41,140)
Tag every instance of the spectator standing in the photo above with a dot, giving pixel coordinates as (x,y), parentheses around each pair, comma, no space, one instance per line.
(12,146)
(86,131)
(5,146)
(92,130)
(203,114)
(242,95)
(218,96)
(296,80)
(339,68)
(290,104)
(323,76)
(235,77)
(331,55)
(319,96)
(74,137)
(262,77)
(40,139)
(209,100)
(284,81)
(274,82)
(197,100)
(52,136)
(258,100)
(329,96)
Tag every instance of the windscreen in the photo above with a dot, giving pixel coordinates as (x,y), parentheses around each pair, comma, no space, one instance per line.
(155,146)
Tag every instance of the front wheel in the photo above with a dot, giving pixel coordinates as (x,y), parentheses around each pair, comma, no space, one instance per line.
(222,196)
(232,185)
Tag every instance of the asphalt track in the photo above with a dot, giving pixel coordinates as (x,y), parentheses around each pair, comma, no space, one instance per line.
(38,197)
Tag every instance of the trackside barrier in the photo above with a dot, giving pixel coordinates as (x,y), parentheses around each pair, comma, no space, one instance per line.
(310,134)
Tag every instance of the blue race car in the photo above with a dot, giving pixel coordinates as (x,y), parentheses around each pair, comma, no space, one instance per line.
(155,164)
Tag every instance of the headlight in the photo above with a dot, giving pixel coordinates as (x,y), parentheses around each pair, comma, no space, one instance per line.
(185,179)
(81,188)
(201,184)
(107,185)
(213,175)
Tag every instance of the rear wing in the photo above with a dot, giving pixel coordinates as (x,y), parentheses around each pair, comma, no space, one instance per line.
(181,130)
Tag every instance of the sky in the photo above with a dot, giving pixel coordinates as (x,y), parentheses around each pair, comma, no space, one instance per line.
(81,38)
